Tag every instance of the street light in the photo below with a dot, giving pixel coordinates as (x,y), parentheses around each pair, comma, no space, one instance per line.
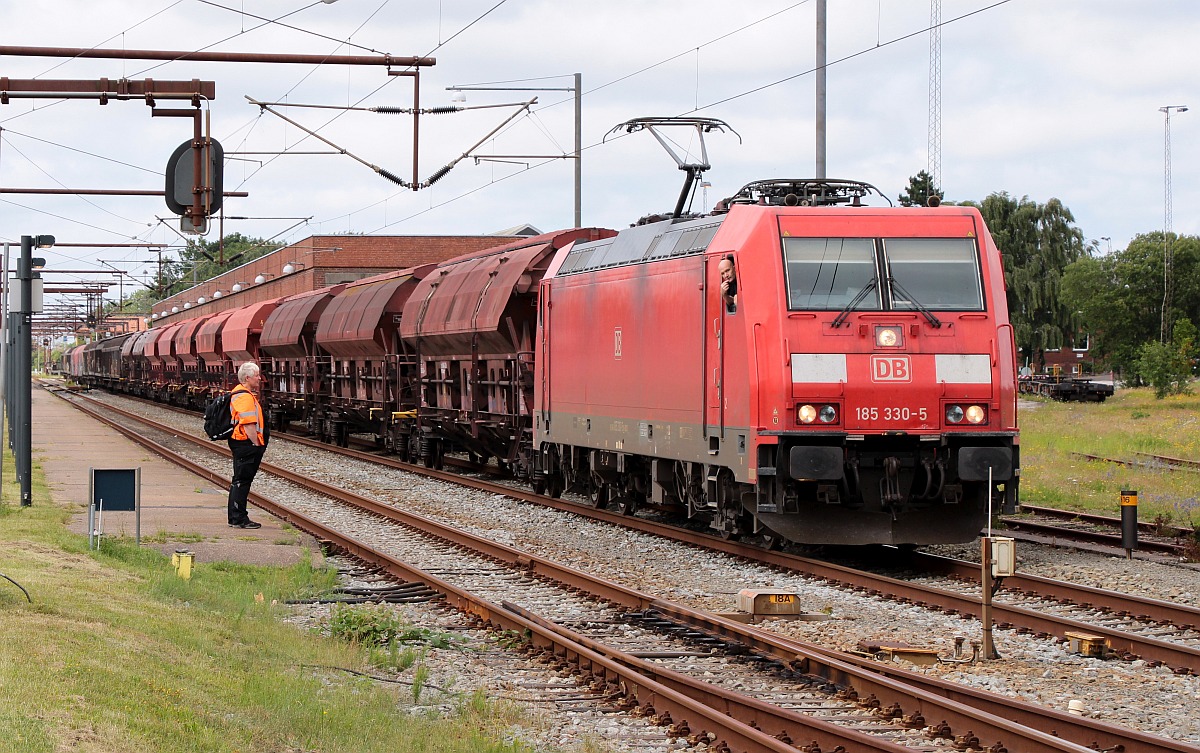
(1165,334)
(458,97)
(1108,240)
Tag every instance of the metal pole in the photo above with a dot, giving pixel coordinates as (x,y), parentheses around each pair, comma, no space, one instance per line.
(24,372)
(578,150)
(3,359)
(821,88)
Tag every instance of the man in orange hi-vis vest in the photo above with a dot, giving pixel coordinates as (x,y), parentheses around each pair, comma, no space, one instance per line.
(248,443)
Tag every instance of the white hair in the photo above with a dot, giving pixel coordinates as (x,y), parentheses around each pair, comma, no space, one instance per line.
(247,370)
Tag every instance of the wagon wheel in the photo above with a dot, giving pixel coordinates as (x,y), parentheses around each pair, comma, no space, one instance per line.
(770,541)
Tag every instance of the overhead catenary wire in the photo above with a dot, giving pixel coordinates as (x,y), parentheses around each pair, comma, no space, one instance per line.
(242,12)
(877,46)
(369,94)
(277,21)
(378,170)
(394,110)
(435,177)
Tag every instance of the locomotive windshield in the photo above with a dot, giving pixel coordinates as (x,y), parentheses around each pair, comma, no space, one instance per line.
(828,273)
(937,273)
(922,273)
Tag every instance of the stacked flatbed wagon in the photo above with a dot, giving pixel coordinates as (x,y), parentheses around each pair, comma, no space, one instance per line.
(1066,389)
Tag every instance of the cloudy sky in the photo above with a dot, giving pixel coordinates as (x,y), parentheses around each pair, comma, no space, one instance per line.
(1040,98)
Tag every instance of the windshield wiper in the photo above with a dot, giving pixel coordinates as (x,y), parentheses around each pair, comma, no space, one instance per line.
(933,320)
(841,318)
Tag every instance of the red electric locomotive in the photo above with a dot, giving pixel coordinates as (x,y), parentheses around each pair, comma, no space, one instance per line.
(858,386)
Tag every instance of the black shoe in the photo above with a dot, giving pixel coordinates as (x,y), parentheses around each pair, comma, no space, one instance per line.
(247,524)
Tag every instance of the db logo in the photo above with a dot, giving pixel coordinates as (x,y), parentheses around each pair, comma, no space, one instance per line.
(890,369)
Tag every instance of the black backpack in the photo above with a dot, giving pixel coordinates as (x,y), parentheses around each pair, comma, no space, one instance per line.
(218,419)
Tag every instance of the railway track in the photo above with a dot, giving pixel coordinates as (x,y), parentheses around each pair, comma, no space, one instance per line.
(869,685)
(1130,627)
(1049,525)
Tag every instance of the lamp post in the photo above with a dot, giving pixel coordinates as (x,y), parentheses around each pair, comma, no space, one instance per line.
(1165,334)
(577,156)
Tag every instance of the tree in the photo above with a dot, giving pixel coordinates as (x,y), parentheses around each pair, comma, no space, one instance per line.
(1119,297)
(199,261)
(203,260)
(920,188)
(1168,366)
(1037,242)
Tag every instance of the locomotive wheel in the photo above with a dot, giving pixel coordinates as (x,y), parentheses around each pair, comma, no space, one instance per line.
(598,493)
(554,485)
(538,484)
(626,505)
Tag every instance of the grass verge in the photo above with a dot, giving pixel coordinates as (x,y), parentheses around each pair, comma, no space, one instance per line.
(1131,421)
(116,654)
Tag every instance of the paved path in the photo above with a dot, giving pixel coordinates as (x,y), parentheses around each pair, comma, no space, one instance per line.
(179,510)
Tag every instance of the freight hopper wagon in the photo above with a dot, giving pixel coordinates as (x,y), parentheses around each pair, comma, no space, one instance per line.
(860,388)
(468,328)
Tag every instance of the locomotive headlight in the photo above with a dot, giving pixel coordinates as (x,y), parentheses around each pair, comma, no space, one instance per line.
(808,413)
(888,337)
(976,414)
(954,414)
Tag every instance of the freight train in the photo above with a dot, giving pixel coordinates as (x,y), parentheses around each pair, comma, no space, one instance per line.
(852,382)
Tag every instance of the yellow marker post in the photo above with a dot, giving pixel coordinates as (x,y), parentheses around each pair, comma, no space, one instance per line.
(182,560)
(1129,522)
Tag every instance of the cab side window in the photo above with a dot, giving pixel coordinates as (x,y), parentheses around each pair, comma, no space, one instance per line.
(729,284)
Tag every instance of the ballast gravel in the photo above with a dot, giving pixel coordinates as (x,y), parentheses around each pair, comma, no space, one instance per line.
(1132,694)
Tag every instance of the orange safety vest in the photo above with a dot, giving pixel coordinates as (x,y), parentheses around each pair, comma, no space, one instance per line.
(245,409)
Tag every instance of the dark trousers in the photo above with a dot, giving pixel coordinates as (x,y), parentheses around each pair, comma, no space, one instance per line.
(246,459)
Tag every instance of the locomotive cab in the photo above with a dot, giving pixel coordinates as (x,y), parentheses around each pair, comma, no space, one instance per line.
(870,362)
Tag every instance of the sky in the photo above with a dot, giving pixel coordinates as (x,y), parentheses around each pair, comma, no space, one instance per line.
(1039,98)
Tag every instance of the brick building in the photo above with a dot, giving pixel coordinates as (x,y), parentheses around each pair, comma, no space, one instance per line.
(313,263)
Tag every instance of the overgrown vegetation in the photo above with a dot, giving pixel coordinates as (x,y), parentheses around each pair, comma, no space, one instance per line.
(391,643)
(1132,421)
